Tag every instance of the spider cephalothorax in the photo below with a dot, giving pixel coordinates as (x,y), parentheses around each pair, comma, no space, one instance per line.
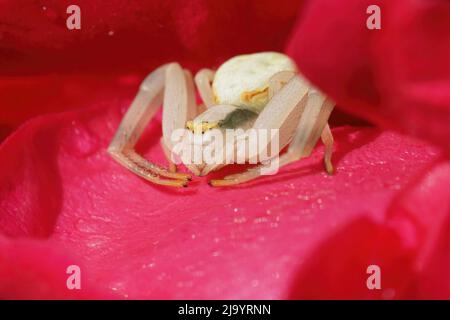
(248,92)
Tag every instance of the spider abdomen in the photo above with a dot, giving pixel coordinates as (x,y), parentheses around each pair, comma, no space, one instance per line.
(243,81)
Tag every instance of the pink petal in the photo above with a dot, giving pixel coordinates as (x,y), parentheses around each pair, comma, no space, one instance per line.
(59,188)
(398,76)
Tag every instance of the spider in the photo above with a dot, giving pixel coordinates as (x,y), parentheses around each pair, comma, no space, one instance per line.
(260,91)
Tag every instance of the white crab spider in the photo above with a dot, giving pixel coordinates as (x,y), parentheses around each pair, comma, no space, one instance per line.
(265,84)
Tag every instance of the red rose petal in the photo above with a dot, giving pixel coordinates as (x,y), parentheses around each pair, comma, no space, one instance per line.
(299,234)
(119,35)
(409,246)
(397,76)
(137,240)
(25,97)
(32,269)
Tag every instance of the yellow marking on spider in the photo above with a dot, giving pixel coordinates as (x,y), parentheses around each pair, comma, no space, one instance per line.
(201,126)
(255,97)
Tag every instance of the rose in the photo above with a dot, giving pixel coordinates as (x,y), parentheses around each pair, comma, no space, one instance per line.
(298,234)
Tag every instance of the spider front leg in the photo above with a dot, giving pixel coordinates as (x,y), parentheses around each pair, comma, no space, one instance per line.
(275,84)
(178,106)
(203,80)
(314,109)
